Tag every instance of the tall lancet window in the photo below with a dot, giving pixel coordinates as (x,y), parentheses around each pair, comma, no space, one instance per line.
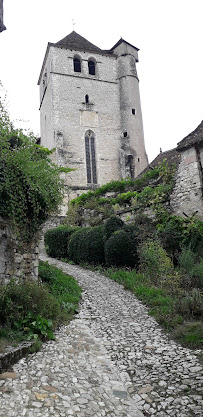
(90,157)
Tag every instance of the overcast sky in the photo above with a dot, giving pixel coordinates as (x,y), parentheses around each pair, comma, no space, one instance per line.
(169,34)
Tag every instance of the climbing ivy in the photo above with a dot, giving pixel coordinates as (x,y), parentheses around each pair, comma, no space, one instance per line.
(30,184)
(152,189)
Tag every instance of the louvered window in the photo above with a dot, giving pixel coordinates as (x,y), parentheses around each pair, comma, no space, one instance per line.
(90,157)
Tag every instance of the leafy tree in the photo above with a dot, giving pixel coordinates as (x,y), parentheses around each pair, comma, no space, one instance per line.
(31,187)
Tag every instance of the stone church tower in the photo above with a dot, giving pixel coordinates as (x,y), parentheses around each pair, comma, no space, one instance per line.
(90,111)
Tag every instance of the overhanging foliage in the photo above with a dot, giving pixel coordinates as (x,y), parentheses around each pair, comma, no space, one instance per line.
(30,184)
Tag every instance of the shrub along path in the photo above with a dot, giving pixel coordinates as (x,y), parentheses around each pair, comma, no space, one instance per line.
(73,376)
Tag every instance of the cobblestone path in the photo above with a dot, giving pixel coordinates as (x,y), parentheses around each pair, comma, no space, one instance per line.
(112,360)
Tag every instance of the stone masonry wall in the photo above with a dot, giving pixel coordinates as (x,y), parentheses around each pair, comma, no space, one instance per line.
(15,261)
(112,113)
(187,197)
(65,117)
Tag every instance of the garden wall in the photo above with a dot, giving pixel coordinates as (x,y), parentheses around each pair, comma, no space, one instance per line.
(15,261)
(187,196)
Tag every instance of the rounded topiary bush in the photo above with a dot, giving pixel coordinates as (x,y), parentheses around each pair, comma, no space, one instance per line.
(112,224)
(121,249)
(86,245)
(57,240)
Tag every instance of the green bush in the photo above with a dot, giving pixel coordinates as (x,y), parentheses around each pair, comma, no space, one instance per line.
(111,225)
(197,275)
(186,260)
(57,241)
(86,245)
(31,310)
(191,269)
(18,299)
(35,326)
(31,187)
(121,249)
(176,232)
(155,262)
(146,227)
(191,304)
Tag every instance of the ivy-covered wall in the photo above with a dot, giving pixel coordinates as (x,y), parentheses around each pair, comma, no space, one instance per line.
(125,198)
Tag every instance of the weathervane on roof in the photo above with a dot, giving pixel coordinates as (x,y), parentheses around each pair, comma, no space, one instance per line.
(73,23)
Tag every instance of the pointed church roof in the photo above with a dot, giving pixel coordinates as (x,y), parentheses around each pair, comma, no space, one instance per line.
(192,139)
(77,42)
(121,40)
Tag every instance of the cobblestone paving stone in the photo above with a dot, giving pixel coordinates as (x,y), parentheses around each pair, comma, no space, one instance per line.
(112,360)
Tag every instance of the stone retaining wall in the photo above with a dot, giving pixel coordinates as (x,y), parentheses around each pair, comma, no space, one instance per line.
(13,355)
(187,196)
(16,260)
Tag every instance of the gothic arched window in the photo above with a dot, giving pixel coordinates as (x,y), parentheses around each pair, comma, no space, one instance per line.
(90,157)
(92,67)
(77,64)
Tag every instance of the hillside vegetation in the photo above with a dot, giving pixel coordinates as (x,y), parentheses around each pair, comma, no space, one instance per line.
(32,310)
(159,258)
(151,191)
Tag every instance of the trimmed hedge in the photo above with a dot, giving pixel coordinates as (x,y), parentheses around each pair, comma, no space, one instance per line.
(86,245)
(111,225)
(121,249)
(57,240)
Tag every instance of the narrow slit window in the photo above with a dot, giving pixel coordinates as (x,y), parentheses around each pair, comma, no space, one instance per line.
(90,157)
(77,65)
(133,111)
(91,66)
(125,134)
(86,99)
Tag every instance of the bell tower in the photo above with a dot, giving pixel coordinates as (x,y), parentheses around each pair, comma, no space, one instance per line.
(90,111)
(133,158)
